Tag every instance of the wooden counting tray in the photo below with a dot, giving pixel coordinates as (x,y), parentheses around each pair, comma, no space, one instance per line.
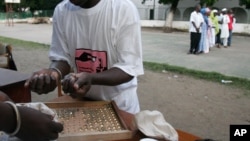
(90,121)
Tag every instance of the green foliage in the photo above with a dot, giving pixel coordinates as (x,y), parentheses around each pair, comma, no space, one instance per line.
(33,5)
(166,1)
(203,2)
(21,43)
(208,2)
(40,4)
(245,2)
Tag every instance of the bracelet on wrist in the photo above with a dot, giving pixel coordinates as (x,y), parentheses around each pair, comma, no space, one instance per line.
(58,71)
(18,118)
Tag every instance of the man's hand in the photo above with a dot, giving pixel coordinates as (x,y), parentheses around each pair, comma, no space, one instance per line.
(43,81)
(37,126)
(77,84)
(197,29)
(4,97)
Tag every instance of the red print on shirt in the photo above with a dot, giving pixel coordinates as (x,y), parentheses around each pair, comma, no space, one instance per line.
(90,60)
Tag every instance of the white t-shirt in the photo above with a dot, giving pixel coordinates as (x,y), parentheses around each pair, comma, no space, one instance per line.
(99,38)
(197,18)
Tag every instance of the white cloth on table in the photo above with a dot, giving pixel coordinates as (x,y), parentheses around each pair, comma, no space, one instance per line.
(153,124)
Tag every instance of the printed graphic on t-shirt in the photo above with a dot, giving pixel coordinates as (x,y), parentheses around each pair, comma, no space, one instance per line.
(91,61)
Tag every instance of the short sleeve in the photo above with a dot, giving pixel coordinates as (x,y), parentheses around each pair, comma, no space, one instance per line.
(128,43)
(58,49)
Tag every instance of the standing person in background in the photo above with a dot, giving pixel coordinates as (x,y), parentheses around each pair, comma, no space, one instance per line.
(218,42)
(210,30)
(224,27)
(196,21)
(215,26)
(230,26)
(205,35)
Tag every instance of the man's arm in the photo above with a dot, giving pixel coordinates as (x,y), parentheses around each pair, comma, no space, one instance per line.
(61,67)
(79,84)
(111,77)
(45,128)
(194,25)
(201,24)
(7,118)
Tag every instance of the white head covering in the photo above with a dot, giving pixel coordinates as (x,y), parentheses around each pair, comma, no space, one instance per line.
(224,9)
(215,11)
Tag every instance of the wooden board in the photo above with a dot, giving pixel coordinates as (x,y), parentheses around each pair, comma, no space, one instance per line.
(90,121)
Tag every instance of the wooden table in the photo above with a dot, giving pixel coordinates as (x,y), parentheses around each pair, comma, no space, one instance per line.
(12,83)
(130,122)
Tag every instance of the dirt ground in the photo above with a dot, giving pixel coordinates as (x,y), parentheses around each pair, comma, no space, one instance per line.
(203,108)
(197,106)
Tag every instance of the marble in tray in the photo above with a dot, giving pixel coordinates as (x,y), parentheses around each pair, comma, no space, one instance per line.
(90,121)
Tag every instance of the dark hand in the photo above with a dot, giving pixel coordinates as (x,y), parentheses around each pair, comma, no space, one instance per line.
(4,97)
(37,126)
(77,85)
(43,81)
(197,30)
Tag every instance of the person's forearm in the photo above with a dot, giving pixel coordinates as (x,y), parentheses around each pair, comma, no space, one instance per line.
(7,118)
(111,77)
(62,66)
(194,25)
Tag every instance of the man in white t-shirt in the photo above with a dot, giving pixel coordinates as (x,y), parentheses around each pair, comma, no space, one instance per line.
(196,21)
(101,41)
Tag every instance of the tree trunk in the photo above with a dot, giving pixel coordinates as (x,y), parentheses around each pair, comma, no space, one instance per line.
(170,16)
(169,22)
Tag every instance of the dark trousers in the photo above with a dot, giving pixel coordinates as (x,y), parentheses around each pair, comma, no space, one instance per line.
(195,40)
(229,38)
(218,40)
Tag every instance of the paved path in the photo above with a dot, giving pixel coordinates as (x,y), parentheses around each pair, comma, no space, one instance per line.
(162,48)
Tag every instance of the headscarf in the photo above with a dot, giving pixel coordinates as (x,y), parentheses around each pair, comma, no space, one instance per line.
(224,10)
(203,12)
(215,21)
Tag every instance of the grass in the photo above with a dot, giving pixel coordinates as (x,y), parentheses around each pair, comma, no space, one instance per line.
(210,76)
(21,43)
